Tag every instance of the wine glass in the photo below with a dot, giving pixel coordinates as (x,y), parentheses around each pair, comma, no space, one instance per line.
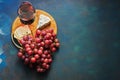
(26,12)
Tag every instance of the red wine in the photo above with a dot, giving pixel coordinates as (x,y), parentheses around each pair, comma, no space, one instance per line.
(26,12)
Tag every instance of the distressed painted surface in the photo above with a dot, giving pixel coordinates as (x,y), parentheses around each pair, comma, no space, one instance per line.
(89,34)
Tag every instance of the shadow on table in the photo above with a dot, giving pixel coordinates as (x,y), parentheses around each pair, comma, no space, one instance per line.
(30,73)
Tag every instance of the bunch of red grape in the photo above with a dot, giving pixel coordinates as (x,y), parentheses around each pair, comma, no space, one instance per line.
(36,51)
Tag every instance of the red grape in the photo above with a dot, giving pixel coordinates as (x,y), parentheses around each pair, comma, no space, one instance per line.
(51,38)
(25,38)
(35,50)
(38,45)
(44,65)
(28,48)
(46,60)
(37,40)
(23,57)
(50,30)
(46,30)
(27,45)
(30,38)
(20,54)
(50,41)
(43,33)
(57,44)
(28,42)
(48,56)
(30,52)
(40,52)
(32,60)
(54,35)
(38,32)
(43,55)
(52,45)
(47,66)
(26,60)
(40,69)
(36,56)
(32,45)
(56,40)
(42,43)
(49,34)
(47,42)
(45,52)
(22,42)
(42,59)
(47,37)
(41,48)
(53,49)
(50,60)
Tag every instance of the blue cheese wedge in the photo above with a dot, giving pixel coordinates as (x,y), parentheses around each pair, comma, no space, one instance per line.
(43,21)
(22,31)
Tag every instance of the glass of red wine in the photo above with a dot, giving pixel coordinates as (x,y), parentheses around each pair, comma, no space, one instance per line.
(26,12)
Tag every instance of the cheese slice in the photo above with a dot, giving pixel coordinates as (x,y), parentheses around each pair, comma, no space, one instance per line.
(43,21)
(22,31)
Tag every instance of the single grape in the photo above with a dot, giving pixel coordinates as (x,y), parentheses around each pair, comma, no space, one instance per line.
(30,52)
(45,52)
(47,42)
(47,37)
(23,57)
(28,42)
(22,42)
(47,66)
(44,65)
(52,45)
(51,31)
(32,46)
(26,60)
(38,32)
(42,44)
(32,60)
(56,40)
(35,50)
(38,45)
(27,45)
(46,60)
(37,40)
(36,56)
(48,56)
(50,60)
(43,55)
(41,48)
(54,35)
(27,49)
(43,33)
(20,54)
(53,49)
(57,44)
(42,59)
(40,52)
(25,38)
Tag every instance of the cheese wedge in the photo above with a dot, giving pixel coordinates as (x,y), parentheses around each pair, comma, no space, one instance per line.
(43,21)
(22,31)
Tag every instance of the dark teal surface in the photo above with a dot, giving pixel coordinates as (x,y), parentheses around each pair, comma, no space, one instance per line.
(89,33)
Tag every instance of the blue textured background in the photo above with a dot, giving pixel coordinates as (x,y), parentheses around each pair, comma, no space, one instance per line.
(89,32)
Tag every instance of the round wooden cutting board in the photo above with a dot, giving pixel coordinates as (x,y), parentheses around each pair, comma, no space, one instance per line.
(17,23)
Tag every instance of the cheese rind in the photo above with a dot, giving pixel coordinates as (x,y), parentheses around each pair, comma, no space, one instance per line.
(43,21)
